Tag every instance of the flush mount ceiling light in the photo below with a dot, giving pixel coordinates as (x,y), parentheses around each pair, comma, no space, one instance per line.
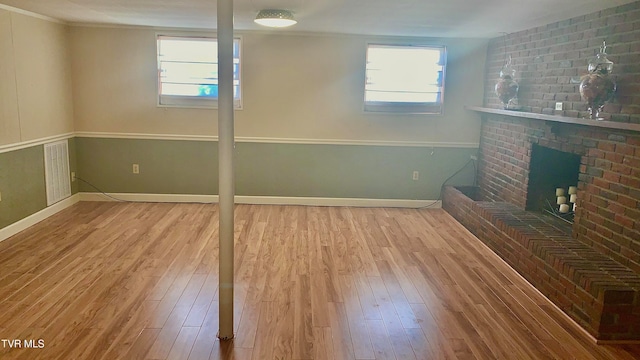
(275,18)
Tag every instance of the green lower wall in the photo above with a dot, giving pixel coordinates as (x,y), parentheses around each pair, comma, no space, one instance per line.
(267,169)
(262,169)
(22,184)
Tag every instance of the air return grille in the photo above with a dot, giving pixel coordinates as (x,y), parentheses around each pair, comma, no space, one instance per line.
(56,164)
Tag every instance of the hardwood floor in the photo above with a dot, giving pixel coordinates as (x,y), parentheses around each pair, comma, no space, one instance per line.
(139,281)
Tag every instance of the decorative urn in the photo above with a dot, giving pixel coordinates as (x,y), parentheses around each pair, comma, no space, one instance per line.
(507,88)
(596,88)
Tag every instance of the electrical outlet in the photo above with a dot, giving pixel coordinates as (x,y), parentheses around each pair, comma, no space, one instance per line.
(559,106)
(473,157)
(136,169)
(73,176)
(416,175)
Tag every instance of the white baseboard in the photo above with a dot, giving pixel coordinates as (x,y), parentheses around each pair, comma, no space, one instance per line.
(264,200)
(18,226)
(320,201)
(168,198)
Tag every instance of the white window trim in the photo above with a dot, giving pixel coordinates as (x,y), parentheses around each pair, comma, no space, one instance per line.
(404,109)
(191,102)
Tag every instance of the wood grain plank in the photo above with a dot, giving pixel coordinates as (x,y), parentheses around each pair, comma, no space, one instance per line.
(401,346)
(380,339)
(142,344)
(207,336)
(264,345)
(360,339)
(183,344)
(322,344)
(341,337)
(368,304)
(303,320)
(439,346)
(133,327)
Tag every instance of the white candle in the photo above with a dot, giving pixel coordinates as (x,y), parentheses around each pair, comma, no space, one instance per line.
(559,191)
(564,208)
(573,190)
(561,200)
(573,198)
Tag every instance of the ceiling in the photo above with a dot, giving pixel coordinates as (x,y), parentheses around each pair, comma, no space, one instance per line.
(449,18)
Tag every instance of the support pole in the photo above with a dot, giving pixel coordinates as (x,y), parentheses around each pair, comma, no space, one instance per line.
(225,166)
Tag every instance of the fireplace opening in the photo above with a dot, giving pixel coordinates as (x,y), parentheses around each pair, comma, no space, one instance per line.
(553,176)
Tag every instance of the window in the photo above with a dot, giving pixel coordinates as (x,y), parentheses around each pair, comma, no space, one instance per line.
(188,71)
(405,79)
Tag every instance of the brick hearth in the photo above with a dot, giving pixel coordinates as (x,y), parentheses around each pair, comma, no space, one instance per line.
(591,269)
(597,292)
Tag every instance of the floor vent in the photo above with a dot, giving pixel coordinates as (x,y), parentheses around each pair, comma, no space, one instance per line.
(56,164)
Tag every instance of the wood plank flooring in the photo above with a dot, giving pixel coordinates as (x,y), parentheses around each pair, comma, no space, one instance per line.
(139,281)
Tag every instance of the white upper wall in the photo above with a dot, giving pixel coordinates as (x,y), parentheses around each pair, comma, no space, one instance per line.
(295,86)
(35,91)
(59,79)
(9,120)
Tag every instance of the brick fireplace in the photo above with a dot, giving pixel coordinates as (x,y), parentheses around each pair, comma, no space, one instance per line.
(590,269)
(608,207)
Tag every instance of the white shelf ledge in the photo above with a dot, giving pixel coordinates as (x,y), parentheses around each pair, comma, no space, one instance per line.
(561,119)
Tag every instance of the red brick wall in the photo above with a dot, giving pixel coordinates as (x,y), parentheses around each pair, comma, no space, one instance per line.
(505,151)
(608,208)
(550,59)
(609,211)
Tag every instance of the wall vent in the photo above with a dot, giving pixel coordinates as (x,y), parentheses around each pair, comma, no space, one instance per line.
(56,165)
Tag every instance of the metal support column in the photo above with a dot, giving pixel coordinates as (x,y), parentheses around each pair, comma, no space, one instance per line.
(225,166)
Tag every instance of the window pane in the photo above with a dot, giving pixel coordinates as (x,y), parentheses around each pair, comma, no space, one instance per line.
(402,97)
(190,73)
(188,67)
(410,75)
(189,49)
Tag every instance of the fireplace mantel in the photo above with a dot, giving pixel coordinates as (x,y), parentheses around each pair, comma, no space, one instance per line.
(561,119)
